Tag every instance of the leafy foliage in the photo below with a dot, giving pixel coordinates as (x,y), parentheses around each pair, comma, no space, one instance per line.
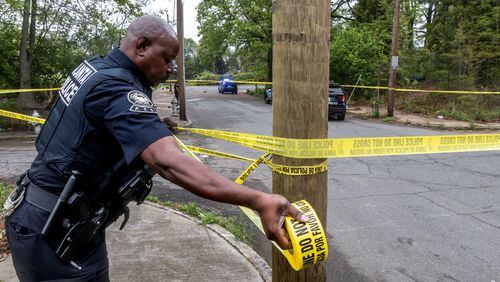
(354,52)
(66,33)
(244,25)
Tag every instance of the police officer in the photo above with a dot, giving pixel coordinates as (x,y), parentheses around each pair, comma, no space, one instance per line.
(104,123)
(176,91)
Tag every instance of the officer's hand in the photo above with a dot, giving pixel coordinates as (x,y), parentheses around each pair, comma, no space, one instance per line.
(171,124)
(272,209)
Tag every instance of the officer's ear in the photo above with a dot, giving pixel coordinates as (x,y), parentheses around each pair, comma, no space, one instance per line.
(142,45)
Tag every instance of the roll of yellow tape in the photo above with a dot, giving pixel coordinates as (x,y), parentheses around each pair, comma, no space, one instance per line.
(308,239)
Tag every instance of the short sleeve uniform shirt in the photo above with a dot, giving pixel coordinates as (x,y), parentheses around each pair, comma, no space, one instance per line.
(124,122)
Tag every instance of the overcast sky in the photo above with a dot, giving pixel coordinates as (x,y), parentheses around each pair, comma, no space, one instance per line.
(190,24)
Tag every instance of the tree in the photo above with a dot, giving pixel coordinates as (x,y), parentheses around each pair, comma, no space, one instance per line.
(27,48)
(193,66)
(370,11)
(56,35)
(356,51)
(216,25)
(463,39)
(243,24)
(9,54)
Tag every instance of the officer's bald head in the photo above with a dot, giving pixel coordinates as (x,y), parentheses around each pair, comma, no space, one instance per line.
(150,26)
(151,43)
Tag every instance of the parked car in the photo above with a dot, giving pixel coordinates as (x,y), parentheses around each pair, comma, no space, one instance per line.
(227,85)
(337,102)
(268,96)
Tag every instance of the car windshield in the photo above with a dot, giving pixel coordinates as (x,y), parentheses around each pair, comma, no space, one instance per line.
(335,91)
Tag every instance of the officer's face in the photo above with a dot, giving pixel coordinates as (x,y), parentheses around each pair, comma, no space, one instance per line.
(157,62)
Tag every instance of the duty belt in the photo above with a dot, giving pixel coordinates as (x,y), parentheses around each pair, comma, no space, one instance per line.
(40,198)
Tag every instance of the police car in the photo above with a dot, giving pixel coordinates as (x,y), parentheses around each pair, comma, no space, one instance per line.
(227,85)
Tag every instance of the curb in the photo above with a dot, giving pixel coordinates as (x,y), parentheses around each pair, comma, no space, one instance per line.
(187,123)
(257,261)
(26,137)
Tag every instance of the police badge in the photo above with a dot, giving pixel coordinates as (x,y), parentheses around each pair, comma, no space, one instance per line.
(140,102)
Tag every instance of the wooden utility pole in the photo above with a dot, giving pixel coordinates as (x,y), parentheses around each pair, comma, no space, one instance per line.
(394,60)
(301,36)
(180,61)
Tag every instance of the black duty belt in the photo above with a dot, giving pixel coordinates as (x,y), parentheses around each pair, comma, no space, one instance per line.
(40,198)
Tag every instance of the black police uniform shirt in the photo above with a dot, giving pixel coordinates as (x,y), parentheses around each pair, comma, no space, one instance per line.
(120,129)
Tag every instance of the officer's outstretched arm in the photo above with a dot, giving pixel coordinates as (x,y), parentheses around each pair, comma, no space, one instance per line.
(166,158)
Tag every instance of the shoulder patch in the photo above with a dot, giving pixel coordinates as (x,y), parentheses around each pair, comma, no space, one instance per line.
(140,102)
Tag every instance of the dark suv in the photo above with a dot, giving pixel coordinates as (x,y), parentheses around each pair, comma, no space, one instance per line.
(337,101)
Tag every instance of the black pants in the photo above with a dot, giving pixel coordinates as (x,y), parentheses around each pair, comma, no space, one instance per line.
(33,258)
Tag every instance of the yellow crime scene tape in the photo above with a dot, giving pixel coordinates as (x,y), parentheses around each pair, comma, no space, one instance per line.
(309,244)
(199,82)
(309,239)
(7,91)
(422,90)
(281,169)
(357,86)
(357,147)
(21,117)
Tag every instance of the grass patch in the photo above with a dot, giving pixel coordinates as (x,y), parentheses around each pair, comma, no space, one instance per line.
(259,92)
(5,189)
(469,108)
(232,224)
(4,193)
(387,119)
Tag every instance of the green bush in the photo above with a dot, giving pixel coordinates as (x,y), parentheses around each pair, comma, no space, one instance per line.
(4,193)
(247,76)
(460,107)
(206,75)
(259,91)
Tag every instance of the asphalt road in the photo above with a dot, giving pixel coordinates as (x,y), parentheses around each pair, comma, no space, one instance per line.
(399,218)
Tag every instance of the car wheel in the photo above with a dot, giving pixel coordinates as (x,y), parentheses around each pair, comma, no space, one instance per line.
(342,117)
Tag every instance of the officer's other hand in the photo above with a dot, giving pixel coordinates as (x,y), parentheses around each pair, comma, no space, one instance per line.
(170,123)
(272,209)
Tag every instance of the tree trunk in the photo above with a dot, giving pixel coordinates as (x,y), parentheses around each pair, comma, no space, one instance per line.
(428,20)
(24,74)
(412,14)
(28,34)
(430,12)
(31,44)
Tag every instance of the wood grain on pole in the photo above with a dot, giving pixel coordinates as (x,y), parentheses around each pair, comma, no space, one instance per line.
(301,36)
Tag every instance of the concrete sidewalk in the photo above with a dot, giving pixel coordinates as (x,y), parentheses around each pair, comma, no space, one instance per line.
(161,244)
(158,243)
